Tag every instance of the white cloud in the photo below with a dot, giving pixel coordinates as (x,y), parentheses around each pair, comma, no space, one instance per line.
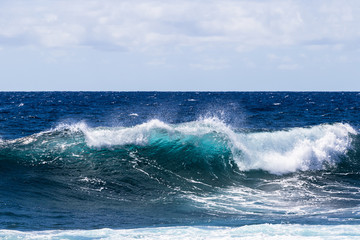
(274,57)
(157,62)
(283,62)
(208,64)
(289,66)
(159,25)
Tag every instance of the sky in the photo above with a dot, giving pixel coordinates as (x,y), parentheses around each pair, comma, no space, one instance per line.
(179,45)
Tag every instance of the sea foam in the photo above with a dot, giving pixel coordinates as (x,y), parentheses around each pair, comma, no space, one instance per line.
(261,231)
(294,149)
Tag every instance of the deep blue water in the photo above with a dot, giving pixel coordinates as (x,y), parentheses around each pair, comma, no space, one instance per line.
(91,160)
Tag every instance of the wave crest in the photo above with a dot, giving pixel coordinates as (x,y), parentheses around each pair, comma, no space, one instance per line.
(295,149)
(278,152)
(206,140)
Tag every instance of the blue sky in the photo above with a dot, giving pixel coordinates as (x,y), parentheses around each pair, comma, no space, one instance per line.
(133,45)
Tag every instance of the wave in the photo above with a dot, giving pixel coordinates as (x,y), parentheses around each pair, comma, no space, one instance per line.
(203,168)
(277,152)
(204,142)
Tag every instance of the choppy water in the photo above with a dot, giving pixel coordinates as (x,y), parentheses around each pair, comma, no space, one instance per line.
(139,163)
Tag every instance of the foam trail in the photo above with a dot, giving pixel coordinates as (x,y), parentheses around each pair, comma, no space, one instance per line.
(261,231)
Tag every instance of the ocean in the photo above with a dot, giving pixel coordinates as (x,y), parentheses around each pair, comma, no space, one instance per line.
(179,165)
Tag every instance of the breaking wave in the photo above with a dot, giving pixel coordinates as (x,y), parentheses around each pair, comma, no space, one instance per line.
(208,140)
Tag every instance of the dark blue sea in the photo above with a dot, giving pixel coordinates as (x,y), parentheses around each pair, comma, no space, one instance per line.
(179,165)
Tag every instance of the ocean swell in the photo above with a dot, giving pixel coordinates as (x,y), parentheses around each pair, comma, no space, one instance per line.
(206,141)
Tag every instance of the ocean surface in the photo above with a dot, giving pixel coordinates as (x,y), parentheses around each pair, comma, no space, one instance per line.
(178,165)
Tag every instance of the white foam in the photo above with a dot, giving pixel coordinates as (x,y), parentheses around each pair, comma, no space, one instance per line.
(294,149)
(99,137)
(140,134)
(261,231)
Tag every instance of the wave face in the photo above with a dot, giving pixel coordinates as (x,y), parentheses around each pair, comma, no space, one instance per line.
(160,160)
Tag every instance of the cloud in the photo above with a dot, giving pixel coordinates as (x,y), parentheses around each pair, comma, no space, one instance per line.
(157,62)
(209,64)
(289,66)
(159,25)
(274,57)
(283,62)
